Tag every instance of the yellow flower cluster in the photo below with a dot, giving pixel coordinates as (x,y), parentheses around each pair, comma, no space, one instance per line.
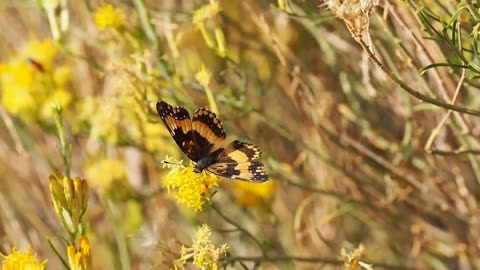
(203,76)
(250,194)
(21,260)
(205,254)
(200,16)
(105,172)
(190,188)
(31,83)
(205,12)
(70,199)
(117,118)
(81,259)
(109,17)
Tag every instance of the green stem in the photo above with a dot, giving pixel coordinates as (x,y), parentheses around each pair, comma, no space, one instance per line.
(247,233)
(58,254)
(150,32)
(64,148)
(123,253)
(410,90)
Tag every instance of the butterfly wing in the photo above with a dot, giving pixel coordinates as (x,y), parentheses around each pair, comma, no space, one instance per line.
(178,122)
(208,132)
(237,161)
(251,171)
(240,152)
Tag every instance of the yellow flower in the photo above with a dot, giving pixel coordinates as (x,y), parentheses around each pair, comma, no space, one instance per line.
(108,16)
(16,80)
(205,254)
(70,199)
(153,137)
(43,52)
(106,171)
(203,76)
(190,188)
(114,119)
(62,75)
(250,194)
(59,98)
(21,260)
(205,12)
(81,259)
(30,83)
(200,16)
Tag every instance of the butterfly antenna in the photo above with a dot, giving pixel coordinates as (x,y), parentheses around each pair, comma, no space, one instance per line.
(175,163)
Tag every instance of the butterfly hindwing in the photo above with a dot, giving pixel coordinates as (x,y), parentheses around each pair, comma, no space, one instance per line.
(178,122)
(208,131)
(251,171)
(237,161)
(238,151)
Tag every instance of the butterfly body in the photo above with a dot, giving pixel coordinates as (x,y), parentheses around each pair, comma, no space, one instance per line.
(204,162)
(201,139)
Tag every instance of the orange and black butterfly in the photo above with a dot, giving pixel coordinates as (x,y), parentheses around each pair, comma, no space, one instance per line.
(201,139)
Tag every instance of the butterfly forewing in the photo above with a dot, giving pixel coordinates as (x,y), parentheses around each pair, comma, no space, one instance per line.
(208,131)
(238,151)
(178,122)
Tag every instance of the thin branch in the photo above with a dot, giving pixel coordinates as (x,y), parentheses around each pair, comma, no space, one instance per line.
(433,135)
(236,225)
(308,260)
(410,90)
(455,152)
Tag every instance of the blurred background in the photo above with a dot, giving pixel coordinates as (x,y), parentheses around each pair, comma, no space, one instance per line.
(365,112)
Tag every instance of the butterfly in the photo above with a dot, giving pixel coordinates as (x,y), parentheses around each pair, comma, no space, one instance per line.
(201,139)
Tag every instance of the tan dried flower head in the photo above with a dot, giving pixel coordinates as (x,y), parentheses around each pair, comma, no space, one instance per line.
(355,13)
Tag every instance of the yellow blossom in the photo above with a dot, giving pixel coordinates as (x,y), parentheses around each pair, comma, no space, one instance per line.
(16,80)
(21,260)
(113,120)
(249,194)
(70,199)
(105,172)
(205,12)
(62,75)
(81,259)
(154,138)
(108,16)
(205,254)
(188,187)
(31,83)
(59,98)
(43,52)
(203,76)
(200,16)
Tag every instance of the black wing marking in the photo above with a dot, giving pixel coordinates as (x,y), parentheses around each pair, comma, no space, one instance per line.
(178,122)
(208,132)
(251,171)
(238,151)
